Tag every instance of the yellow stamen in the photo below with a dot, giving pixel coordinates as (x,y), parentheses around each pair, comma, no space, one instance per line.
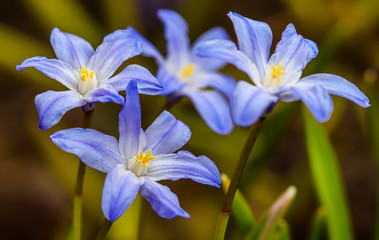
(145,158)
(186,72)
(275,77)
(85,73)
(278,71)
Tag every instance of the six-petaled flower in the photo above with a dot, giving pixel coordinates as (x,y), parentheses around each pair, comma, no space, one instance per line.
(139,159)
(182,73)
(276,77)
(88,73)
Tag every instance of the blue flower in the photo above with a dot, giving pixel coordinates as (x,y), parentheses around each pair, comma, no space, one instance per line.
(182,73)
(276,77)
(88,73)
(139,159)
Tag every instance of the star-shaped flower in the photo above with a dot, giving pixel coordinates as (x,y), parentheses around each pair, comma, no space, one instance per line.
(276,77)
(88,73)
(182,73)
(139,159)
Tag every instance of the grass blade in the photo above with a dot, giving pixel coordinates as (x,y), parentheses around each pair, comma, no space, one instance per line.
(271,218)
(327,178)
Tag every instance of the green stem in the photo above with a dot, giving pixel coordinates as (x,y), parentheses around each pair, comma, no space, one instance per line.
(226,209)
(104,230)
(77,211)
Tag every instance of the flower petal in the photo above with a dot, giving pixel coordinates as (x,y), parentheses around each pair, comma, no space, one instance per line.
(176,30)
(339,86)
(213,108)
(254,40)
(315,97)
(294,52)
(52,105)
(223,83)
(70,48)
(104,94)
(184,165)
(148,49)
(116,48)
(95,149)
(147,83)
(130,122)
(164,202)
(166,134)
(55,69)
(227,51)
(210,63)
(120,189)
(170,83)
(249,103)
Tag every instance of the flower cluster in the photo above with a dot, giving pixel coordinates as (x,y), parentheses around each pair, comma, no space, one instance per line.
(276,77)
(139,159)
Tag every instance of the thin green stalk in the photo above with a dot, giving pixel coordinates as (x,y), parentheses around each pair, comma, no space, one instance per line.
(104,229)
(226,209)
(240,207)
(77,211)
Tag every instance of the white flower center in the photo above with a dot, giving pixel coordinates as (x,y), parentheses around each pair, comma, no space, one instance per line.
(186,72)
(274,78)
(140,163)
(88,80)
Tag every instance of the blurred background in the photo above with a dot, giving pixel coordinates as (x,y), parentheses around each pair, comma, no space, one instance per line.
(37,178)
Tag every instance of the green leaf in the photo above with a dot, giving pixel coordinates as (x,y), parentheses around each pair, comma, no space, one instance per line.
(281,231)
(240,208)
(318,227)
(327,178)
(271,218)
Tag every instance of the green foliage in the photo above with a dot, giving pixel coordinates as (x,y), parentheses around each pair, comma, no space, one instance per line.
(327,179)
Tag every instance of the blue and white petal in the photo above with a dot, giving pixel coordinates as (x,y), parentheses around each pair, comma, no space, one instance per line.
(166,134)
(120,189)
(55,69)
(254,40)
(170,82)
(103,94)
(339,86)
(294,52)
(249,103)
(210,63)
(116,48)
(148,49)
(52,105)
(70,48)
(222,83)
(164,202)
(147,83)
(130,122)
(95,149)
(176,30)
(315,97)
(184,165)
(214,109)
(227,51)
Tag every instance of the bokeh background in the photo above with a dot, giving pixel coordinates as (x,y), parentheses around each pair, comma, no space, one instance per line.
(37,178)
